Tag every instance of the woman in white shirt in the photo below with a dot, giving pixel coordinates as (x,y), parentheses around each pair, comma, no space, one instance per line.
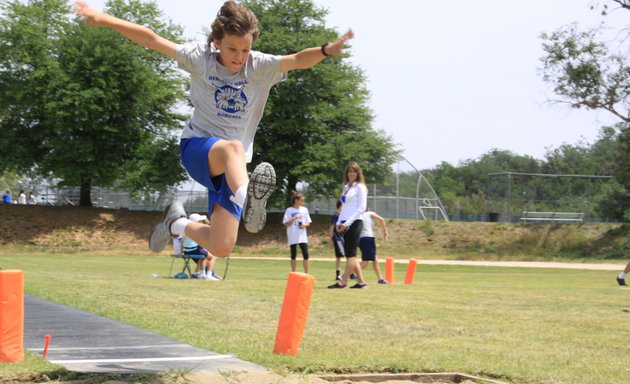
(296,219)
(349,223)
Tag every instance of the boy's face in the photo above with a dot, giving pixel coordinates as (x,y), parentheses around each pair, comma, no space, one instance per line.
(234,51)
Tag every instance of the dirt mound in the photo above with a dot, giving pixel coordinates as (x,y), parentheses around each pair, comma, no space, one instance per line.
(99,228)
(126,232)
(76,228)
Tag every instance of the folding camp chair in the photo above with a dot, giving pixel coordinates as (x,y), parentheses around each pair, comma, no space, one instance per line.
(186,259)
(179,254)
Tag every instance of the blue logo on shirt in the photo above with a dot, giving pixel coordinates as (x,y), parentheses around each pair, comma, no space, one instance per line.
(230,99)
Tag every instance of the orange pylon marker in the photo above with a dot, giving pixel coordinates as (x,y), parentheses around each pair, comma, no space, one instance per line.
(11,316)
(46,343)
(389,270)
(297,300)
(411,271)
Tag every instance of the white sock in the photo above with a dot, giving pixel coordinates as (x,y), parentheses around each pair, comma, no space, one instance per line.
(240,195)
(622,275)
(178,226)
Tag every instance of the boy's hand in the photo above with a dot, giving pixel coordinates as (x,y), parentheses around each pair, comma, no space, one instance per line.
(336,47)
(82,9)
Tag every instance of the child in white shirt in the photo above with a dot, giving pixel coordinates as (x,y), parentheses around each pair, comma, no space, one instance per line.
(296,219)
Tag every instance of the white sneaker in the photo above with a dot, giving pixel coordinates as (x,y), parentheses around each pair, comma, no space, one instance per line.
(161,234)
(261,185)
(210,277)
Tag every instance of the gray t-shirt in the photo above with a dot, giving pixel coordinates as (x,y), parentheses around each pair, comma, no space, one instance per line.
(227,105)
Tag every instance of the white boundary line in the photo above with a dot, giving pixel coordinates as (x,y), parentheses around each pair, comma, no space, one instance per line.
(110,348)
(146,359)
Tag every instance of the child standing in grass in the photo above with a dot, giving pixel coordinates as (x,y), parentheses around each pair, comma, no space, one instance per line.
(336,240)
(229,86)
(621,277)
(367,242)
(296,219)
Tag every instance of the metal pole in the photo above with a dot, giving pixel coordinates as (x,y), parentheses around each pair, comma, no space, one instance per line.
(374,203)
(509,199)
(437,198)
(417,207)
(398,192)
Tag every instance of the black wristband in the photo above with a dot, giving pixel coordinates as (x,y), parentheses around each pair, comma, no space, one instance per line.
(324,49)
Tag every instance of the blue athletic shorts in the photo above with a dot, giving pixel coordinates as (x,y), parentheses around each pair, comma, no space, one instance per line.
(194,155)
(198,251)
(367,245)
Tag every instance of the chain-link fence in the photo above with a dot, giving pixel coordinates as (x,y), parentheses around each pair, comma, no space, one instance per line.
(511,194)
(407,195)
(197,201)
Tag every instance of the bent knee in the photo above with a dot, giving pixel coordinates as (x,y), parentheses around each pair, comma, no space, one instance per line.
(223,248)
(233,148)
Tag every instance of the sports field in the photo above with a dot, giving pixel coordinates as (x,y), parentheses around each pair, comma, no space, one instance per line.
(522,325)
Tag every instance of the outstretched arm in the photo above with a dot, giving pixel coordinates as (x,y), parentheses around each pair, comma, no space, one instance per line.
(134,32)
(311,56)
(331,230)
(383,224)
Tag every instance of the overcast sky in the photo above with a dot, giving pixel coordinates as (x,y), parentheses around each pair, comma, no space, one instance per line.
(452,80)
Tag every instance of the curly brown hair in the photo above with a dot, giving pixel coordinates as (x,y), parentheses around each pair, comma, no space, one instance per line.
(234,19)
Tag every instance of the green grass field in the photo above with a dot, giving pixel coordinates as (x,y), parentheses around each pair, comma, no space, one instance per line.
(520,325)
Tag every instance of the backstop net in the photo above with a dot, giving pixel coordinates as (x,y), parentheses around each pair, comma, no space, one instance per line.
(509,194)
(407,194)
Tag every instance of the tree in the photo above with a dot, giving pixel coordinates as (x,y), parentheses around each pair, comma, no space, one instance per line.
(624,4)
(316,121)
(10,181)
(463,188)
(84,104)
(585,74)
(155,167)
